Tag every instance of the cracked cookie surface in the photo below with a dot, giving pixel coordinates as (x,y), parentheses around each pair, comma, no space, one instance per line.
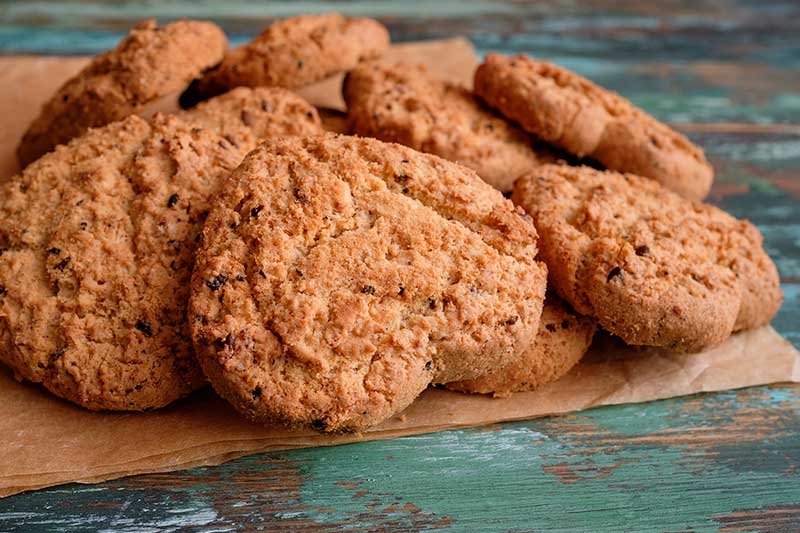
(150,63)
(563,339)
(295,52)
(653,267)
(97,245)
(584,119)
(403,103)
(338,277)
(245,116)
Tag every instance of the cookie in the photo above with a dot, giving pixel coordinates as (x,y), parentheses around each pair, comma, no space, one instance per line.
(584,119)
(339,276)
(97,242)
(245,116)
(655,268)
(295,52)
(403,103)
(563,339)
(148,64)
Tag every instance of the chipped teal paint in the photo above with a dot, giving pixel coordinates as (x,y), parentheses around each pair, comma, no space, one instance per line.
(624,51)
(708,462)
(611,468)
(485,463)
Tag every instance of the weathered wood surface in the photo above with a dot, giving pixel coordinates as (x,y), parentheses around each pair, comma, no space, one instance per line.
(728,74)
(725,461)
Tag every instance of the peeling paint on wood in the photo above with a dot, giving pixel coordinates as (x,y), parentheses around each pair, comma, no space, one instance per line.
(727,74)
(707,462)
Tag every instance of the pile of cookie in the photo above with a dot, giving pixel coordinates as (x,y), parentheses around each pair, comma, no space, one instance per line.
(325,280)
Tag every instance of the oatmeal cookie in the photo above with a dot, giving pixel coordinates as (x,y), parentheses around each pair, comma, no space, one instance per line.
(584,119)
(148,64)
(403,103)
(296,52)
(653,267)
(97,244)
(245,116)
(338,277)
(563,339)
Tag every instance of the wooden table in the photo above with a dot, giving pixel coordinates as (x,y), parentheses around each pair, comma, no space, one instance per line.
(728,74)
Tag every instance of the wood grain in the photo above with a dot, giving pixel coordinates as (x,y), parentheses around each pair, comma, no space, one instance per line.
(711,461)
(728,74)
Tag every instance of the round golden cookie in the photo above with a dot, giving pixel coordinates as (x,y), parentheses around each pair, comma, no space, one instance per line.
(573,113)
(245,116)
(148,64)
(653,267)
(295,52)
(563,339)
(97,245)
(403,103)
(96,250)
(338,277)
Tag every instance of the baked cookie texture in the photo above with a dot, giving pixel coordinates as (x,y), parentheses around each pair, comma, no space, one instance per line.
(337,277)
(573,113)
(653,267)
(150,63)
(295,52)
(563,339)
(245,116)
(403,103)
(97,243)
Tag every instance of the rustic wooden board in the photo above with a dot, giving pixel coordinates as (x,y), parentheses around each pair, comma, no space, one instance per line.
(728,74)
(727,461)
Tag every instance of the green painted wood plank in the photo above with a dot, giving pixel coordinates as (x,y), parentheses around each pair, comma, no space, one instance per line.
(694,464)
(726,461)
(733,61)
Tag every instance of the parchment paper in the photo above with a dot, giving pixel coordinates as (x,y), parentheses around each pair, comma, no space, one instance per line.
(45,441)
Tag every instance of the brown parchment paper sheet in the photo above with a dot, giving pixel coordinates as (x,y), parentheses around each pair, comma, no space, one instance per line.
(45,441)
